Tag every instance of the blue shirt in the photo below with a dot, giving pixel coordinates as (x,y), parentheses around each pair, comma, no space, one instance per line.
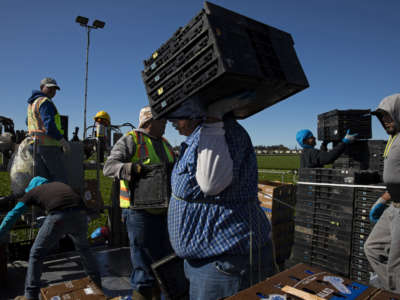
(201,226)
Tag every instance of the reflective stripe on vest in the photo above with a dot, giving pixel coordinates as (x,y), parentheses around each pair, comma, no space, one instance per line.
(147,155)
(35,123)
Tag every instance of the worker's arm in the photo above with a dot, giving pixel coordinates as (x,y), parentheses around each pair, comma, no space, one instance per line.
(329,157)
(379,207)
(118,164)
(11,218)
(214,163)
(47,112)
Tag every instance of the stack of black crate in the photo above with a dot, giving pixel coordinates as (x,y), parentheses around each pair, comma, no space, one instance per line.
(332,221)
(220,53)
(364,199)
(324,217)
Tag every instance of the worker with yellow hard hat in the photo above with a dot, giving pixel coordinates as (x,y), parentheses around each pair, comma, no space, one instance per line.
(103,131)
(103,118)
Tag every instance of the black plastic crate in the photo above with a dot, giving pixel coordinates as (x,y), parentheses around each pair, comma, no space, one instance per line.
(360,263)
(360,276)
(332,125)
(358,252)
(325,206)
(204,60)
(363,193)
(364,204)
(323,242)
(349,163)
(361,230)
(367,154)
(363,224)
(170,275)
(323,231)
(336,268)
(341,176)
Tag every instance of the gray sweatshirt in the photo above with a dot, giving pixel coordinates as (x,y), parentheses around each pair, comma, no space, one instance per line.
(391,172)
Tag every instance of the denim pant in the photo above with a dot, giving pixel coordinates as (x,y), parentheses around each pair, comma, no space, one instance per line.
(72,222)
(149,242)
(50,163)
(225,275)
(382,249)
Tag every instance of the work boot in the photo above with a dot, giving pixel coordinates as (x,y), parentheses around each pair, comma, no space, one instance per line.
(143,294)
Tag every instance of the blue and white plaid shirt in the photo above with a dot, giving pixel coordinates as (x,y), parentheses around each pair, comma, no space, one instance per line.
(200,226)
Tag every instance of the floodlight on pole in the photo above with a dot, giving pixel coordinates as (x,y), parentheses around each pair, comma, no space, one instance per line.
(83,21)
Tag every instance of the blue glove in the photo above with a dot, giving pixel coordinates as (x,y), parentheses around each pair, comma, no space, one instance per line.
(377,210)
(12,217)
(349,138)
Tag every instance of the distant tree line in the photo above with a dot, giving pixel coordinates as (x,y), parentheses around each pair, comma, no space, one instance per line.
(271,148)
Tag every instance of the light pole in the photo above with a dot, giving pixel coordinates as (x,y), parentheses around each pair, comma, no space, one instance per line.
(96,24)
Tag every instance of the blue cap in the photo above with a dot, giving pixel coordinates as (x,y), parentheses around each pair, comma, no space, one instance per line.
(302,135)
(35,182)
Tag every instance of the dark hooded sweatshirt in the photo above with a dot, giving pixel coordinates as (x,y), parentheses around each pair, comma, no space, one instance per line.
(314,158)
(47,112)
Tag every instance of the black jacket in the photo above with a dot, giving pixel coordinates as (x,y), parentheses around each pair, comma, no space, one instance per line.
(314,158)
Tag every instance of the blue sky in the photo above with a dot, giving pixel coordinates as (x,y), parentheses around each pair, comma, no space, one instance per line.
(349,51)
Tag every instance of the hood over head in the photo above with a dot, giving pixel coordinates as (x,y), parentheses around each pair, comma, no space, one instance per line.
(391,104)
(302,135)
(35,94)
(35,182)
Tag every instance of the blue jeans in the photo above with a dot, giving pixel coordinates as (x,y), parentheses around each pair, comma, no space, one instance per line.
(149,242)
(72,222)
(50,163)
(225,275)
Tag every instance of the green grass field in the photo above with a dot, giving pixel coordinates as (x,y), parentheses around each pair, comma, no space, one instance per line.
(278,162)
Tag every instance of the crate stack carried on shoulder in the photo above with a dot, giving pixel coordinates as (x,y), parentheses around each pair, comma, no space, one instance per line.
(277,201)
(203,62)
(332,210)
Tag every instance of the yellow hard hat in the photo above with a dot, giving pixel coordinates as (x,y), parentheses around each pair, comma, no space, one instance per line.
(102,115)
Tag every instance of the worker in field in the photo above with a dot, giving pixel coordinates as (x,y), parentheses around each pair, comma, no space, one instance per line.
(382,247)
(142,160)
(66,214)
(314,158)
(214,219)
(103,131)
(44,125)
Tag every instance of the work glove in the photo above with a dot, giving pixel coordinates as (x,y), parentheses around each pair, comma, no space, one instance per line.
(65,146)
(377,210)
(324,146)
(349,138)
(130,171)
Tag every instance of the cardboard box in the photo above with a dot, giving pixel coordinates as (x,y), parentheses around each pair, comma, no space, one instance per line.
(277,200)
(80,289)
(307,279)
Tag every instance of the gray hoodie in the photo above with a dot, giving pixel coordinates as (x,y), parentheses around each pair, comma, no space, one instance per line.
(391,172)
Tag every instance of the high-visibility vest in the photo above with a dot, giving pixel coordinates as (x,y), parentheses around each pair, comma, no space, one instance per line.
(36,126)
(147,155)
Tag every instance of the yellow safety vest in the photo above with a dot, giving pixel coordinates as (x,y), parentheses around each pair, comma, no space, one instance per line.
(147,155)
(36,126)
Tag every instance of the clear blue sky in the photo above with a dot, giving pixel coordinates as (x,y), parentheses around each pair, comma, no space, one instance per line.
(349,51)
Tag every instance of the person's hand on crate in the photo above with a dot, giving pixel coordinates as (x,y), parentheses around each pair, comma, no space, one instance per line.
(324,146)
(379,207)
(349,138)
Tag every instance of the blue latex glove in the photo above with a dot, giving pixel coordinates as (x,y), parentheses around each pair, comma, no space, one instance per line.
(12,217)
(377,210)
(349,138)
